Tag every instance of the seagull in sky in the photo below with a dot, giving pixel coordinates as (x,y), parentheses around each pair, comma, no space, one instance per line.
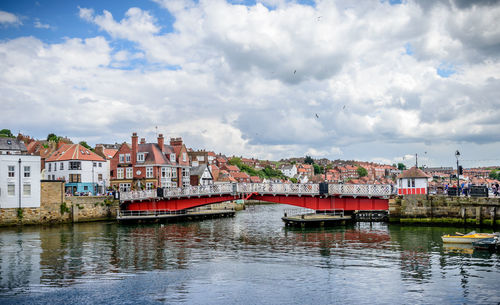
(317,116)
(294,71)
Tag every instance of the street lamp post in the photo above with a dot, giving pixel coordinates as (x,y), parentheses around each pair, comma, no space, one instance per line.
(457,155)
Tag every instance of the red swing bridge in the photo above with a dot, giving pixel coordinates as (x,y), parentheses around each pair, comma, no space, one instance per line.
(322,197)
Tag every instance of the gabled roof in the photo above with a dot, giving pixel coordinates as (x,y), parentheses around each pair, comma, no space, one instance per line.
(154,155)
(413,172)
(12,144)
(198,170)
(74,152)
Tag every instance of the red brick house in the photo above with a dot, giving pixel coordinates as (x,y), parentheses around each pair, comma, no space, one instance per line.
(150,165)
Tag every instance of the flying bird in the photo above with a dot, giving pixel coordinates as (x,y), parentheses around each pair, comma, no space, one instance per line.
(317,116)
(294,71)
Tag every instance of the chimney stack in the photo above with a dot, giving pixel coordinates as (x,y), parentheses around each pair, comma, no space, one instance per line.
(161,142)
(176,141)
(135,148)
(143,140)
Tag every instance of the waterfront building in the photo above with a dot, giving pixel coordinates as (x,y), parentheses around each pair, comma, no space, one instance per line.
(83,170)
(19,175)
(289,170)
(150,165)
(201,175)
(413,182)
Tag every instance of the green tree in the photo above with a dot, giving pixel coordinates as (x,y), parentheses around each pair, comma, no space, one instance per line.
(317,169)
(362,171)
(494,174)
(308,160)
(53,137)
(293,180)
(84,144)
(235,161)
(401,166)
(6,133)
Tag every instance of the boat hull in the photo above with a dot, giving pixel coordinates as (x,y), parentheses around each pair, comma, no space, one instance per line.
(466,239)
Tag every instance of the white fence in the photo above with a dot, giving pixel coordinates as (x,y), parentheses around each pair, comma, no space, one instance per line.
(352,190)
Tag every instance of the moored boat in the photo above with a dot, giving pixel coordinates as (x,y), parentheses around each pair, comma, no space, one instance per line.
(486,244)
(466,238)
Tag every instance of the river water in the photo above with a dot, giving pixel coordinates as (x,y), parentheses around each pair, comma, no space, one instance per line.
(249,259)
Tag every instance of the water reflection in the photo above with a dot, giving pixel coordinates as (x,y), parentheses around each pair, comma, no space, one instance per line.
(411,259)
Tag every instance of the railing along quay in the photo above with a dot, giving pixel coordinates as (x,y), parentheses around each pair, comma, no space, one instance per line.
(351,190)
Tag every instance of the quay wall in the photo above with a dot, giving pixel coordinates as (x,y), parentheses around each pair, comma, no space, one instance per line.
(56,207)
(444,210)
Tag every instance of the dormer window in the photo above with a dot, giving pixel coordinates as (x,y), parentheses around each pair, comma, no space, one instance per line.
(140,157)
(172,157)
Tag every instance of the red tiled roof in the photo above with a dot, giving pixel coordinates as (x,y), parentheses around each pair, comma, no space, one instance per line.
(413,173)
(109,152)
(240,175)
(255,179)
(74,152)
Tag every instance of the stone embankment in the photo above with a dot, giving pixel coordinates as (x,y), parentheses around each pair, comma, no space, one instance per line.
(56,207)
(443,210)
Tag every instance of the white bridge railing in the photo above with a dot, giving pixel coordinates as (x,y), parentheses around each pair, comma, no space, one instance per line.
(370,190)
(353,190)
(279,188)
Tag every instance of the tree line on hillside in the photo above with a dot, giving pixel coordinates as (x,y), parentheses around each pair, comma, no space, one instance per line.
(267,172)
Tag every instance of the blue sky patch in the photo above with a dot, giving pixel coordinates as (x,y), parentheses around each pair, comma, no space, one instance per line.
(409,48)
(445,70)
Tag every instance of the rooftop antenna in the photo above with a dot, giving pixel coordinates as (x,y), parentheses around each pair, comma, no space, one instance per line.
(416,160)
(156,128)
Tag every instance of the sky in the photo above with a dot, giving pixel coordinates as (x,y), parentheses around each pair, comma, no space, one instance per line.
(361,80)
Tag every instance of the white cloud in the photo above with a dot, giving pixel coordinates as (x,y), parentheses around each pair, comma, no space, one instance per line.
(272,83)
(7,18)
(40,25)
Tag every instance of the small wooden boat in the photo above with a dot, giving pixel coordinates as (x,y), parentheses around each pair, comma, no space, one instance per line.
(466,238)
(486,244)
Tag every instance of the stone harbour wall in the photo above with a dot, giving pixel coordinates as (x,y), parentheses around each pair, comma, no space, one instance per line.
(445,210)
(56,207)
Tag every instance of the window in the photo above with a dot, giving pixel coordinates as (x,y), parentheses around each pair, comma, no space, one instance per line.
(100,164)
(124,187)
(62,166)
(185,172)
(149,172)
(99,177)
(27,172)
(408,181)
(412,182)
(94,164)
(119,173)
(75,165)
(27,190)
(75,178)
(140,157)
(55,167)
(149,185)
(50,167)
(85,188)
(172,157)
(127,158)
(129,172)
(11,190)
(174,172)
(12,171)
(200,158)
(184,156)
(122,158)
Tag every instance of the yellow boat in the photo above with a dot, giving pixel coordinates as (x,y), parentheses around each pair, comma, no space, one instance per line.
(466,238)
